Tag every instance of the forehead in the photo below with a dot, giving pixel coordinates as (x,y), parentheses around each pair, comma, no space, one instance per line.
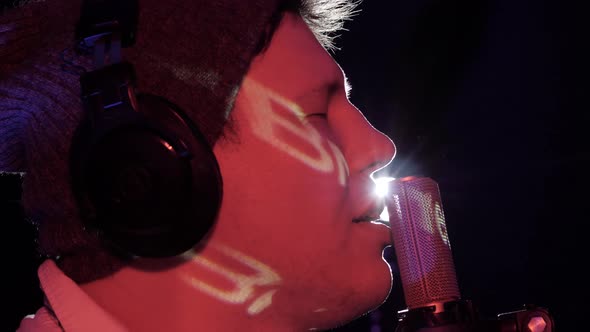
(295,61)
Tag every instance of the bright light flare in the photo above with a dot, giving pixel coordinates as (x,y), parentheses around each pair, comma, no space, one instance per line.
(382,186)
(381,190)
(384,216)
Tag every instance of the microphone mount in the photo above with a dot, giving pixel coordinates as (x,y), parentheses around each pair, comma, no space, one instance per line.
(462,316)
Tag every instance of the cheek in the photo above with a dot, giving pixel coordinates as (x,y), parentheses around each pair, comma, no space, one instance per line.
(273,202)
(266,183)
(272,198)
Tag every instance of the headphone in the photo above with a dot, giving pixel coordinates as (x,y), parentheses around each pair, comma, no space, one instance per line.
(145,178)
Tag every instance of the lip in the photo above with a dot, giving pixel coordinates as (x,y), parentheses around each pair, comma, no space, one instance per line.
(381,222)
(372,213)
(377,231)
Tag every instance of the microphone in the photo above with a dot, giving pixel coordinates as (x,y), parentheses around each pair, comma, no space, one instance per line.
(421,243)
(427,270)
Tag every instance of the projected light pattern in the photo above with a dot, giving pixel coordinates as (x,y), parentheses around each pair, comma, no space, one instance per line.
(240,288)
(276,114)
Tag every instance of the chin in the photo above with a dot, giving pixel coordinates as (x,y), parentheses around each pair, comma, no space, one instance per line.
(376,287)
(372,286)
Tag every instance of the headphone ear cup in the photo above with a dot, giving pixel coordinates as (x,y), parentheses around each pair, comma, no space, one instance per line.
(150,186)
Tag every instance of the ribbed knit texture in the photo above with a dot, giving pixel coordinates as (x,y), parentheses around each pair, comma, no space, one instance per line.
(195,53)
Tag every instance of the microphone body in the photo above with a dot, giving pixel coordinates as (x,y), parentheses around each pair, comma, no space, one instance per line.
(427,270)
(421,242)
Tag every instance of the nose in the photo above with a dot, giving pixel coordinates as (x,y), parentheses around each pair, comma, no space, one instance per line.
(365,148)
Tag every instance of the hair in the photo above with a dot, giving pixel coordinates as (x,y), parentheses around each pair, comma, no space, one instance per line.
(325,18)
(33,140)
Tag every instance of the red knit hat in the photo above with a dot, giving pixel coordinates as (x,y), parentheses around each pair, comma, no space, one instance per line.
(195,53)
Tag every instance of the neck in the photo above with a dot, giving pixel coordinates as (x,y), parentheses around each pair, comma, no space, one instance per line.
(219,289)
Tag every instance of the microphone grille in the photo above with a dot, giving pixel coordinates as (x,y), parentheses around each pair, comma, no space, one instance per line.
(421,242)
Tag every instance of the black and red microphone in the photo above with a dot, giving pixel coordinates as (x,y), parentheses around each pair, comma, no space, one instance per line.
(427,271)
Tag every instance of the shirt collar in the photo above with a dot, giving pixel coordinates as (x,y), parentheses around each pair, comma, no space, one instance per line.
(74,309)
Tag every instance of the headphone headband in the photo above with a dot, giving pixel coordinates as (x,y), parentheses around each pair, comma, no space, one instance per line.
(145,178)
(107,16)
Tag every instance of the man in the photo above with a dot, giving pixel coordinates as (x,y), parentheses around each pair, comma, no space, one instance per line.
(293,247)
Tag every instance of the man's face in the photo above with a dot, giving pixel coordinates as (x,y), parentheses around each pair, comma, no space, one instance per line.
(296,174)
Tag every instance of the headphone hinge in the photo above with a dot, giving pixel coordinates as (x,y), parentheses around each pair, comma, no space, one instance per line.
(104,46)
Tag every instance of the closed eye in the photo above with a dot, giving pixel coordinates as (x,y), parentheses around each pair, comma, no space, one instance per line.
(321,115)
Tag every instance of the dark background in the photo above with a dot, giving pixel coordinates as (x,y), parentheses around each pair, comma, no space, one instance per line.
(487,98)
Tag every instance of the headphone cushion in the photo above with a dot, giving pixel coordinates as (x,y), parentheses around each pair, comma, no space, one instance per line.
(148,181)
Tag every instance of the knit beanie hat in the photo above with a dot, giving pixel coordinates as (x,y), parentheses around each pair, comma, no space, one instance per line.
(193,52)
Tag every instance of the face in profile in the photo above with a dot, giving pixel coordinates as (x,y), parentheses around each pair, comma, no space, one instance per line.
(293,248)
(298,194)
